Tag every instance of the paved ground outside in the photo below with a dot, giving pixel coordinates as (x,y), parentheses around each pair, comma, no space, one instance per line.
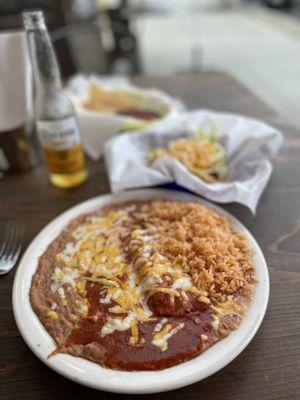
(258,46)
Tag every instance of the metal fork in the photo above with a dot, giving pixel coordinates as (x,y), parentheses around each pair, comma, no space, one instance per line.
(11,247)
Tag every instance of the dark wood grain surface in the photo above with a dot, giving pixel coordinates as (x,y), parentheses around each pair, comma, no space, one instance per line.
(269,368)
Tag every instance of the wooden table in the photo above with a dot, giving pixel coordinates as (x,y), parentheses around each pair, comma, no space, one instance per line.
(270,366)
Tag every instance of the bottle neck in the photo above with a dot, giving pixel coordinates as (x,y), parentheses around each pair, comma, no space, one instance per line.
(45,68)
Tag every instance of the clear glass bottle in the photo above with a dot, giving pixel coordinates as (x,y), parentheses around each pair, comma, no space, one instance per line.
(56,124)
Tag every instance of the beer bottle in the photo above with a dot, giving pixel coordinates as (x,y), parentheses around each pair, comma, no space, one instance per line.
(56,124)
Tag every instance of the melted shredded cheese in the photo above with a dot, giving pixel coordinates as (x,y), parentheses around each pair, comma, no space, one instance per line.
(160,339)
(159,325)
(120,324)
(52,314)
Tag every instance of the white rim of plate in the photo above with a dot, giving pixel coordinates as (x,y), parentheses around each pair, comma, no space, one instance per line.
(93,375)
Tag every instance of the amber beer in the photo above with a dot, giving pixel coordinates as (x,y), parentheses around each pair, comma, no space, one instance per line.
(56,124)
(60,140)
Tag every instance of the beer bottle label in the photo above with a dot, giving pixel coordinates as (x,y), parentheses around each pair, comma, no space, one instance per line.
(58,134)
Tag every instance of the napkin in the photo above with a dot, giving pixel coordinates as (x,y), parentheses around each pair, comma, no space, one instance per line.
(15,82)
(96,126)
(249,143)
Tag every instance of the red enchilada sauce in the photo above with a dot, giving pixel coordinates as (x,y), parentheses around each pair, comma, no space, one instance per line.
(117,353)
(141,114)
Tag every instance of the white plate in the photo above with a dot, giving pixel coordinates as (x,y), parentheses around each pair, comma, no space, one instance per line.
(93,375)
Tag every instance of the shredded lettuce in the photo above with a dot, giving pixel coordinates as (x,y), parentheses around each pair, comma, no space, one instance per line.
(219,169)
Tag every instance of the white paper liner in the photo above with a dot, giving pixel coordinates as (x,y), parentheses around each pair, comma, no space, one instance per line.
(96,126)
(248,145)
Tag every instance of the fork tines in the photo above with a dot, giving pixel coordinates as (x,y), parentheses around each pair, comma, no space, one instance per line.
(11,246)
